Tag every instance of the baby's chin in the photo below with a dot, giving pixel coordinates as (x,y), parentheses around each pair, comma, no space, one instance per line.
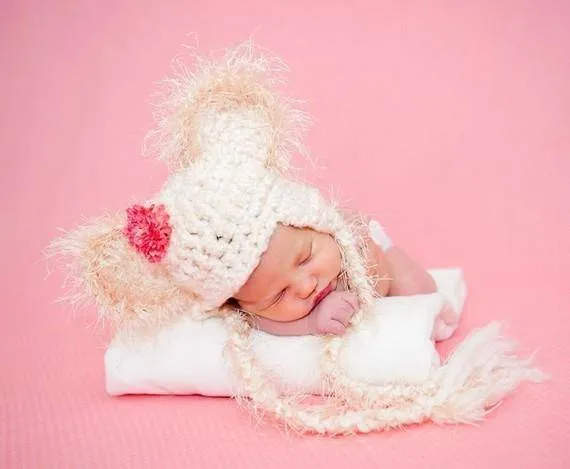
(289,317)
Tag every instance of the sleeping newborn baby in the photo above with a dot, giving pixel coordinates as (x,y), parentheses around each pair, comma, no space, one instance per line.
(297,287)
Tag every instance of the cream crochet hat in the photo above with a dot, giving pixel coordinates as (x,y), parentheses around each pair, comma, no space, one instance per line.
(227,134)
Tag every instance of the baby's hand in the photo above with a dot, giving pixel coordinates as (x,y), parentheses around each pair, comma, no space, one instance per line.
(333,313)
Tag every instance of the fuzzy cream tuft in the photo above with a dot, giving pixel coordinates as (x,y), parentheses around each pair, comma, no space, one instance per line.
(244,79)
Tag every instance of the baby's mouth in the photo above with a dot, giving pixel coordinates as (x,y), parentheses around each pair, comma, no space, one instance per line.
(323,293)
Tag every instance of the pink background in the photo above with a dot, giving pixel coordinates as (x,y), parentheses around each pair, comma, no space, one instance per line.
(448,120)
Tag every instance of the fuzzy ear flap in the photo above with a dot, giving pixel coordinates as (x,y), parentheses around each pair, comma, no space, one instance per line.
(132,294)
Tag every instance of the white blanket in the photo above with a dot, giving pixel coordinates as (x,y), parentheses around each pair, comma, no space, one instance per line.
(396,343)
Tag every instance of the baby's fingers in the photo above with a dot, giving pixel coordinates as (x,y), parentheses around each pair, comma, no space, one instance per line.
(335,327)
(352,301)
(343,314)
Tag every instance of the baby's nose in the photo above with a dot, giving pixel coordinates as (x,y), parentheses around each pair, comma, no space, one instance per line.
(305,285)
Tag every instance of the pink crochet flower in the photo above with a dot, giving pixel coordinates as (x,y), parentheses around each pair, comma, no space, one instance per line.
(148,231)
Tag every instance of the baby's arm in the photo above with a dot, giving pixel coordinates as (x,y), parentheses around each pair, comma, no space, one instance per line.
(330,316)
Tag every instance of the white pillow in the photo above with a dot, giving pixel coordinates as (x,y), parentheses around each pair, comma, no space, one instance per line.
(397,343)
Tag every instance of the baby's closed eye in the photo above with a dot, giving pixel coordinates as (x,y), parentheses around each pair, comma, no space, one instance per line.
(277,299)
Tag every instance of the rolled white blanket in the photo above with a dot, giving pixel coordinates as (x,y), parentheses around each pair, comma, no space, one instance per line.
(396,344)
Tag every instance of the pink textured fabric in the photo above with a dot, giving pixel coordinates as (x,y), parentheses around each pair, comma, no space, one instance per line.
(446,120)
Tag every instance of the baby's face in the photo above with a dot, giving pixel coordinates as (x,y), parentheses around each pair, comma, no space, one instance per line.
(297,266)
